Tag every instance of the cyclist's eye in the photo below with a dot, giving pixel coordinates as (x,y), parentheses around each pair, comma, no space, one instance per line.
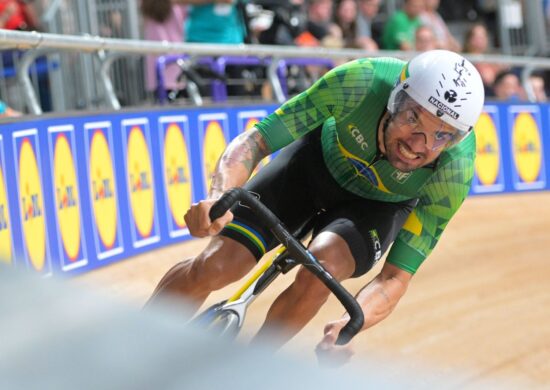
(443,136)
(412,118)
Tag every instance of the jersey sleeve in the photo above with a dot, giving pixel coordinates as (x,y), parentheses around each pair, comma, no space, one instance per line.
(335,94)
(439,199)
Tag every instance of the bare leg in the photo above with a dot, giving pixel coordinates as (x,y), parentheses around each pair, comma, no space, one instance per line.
(222,262)
(301,301)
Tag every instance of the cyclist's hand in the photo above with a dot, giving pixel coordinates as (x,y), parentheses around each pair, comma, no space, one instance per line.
(330,354)
(199,223)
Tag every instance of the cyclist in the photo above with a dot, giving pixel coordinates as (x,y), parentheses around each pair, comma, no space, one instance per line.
(377,151)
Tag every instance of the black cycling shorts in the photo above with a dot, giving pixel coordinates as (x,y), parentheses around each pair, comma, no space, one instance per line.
(300,190)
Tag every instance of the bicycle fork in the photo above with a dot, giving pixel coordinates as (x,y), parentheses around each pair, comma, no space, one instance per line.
(239,302)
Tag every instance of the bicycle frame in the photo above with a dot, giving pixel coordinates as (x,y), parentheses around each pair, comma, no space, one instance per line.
(258,282)
(293,252)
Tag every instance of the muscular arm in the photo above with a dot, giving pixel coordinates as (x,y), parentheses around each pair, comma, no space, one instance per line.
(377,299)
(381,295)
(232,170)
(237,162)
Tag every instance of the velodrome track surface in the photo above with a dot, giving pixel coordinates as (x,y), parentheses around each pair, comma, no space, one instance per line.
(477,310)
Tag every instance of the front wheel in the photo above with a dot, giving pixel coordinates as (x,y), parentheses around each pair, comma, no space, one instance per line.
(219,320)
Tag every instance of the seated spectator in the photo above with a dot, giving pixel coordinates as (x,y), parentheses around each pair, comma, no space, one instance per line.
(345,17)
(216,21)
(431,18)
(162,21)
(507,86)
(7,112)
(289,21)
(425,39)
(320,30)
(12,15)
(537,88)
(476,41)
(400,28)
(367,11)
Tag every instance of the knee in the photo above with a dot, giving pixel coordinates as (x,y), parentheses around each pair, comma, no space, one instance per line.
(309,289)
(335,256)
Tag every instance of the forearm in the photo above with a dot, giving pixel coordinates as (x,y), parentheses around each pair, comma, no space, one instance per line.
(237,162)
(380,297)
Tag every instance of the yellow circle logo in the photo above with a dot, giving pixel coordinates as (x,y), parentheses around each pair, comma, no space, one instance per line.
(5,233)
(487,161)
(213,146)
(102,180)
(66,196)
(527,147)
(251,123)
(32,208)
(140,177)
(177,173)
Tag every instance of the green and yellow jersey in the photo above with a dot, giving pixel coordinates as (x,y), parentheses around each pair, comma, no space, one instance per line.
(348,103)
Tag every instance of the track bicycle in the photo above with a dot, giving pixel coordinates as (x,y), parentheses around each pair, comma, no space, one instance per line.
(227,317)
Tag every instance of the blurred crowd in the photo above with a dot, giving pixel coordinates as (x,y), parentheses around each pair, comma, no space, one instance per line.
(417,25)
(358,24)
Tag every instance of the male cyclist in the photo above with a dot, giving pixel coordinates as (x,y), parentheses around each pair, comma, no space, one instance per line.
(378,151)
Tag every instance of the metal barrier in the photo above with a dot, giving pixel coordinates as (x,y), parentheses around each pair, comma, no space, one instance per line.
(119,47)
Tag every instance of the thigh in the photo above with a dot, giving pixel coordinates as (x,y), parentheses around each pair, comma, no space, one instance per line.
(283,187)
(368,227)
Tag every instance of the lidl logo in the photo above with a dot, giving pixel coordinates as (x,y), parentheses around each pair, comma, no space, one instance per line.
(140,180)
(487,163)
(3,217)
(102,180)
(214,144)
(5,233)
(102,187)
(32,207)
(66,195)
(177,172)
(527,151)
(177,175)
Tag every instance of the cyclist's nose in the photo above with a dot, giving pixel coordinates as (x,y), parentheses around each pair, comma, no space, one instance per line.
(419,140)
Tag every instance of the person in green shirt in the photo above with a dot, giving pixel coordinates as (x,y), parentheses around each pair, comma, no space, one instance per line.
(399,30)
(377,153)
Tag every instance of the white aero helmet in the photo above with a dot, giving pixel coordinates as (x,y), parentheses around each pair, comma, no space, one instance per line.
(445,84)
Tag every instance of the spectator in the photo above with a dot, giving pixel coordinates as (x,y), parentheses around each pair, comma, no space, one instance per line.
(320,30)
(12,15)
(507,86)
(425,39)
(400,28)
(162,21)
(345,17)
(537,88)
(7,112)
(289,21)
(222,21)
(367,11)
(431,18)
(476,41)
(217,21)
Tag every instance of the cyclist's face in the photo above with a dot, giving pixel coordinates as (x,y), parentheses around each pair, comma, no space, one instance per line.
(414,138)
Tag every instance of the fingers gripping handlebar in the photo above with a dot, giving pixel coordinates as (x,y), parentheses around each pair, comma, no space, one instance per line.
(299,253)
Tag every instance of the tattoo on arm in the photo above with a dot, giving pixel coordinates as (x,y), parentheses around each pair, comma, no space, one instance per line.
(242,154)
